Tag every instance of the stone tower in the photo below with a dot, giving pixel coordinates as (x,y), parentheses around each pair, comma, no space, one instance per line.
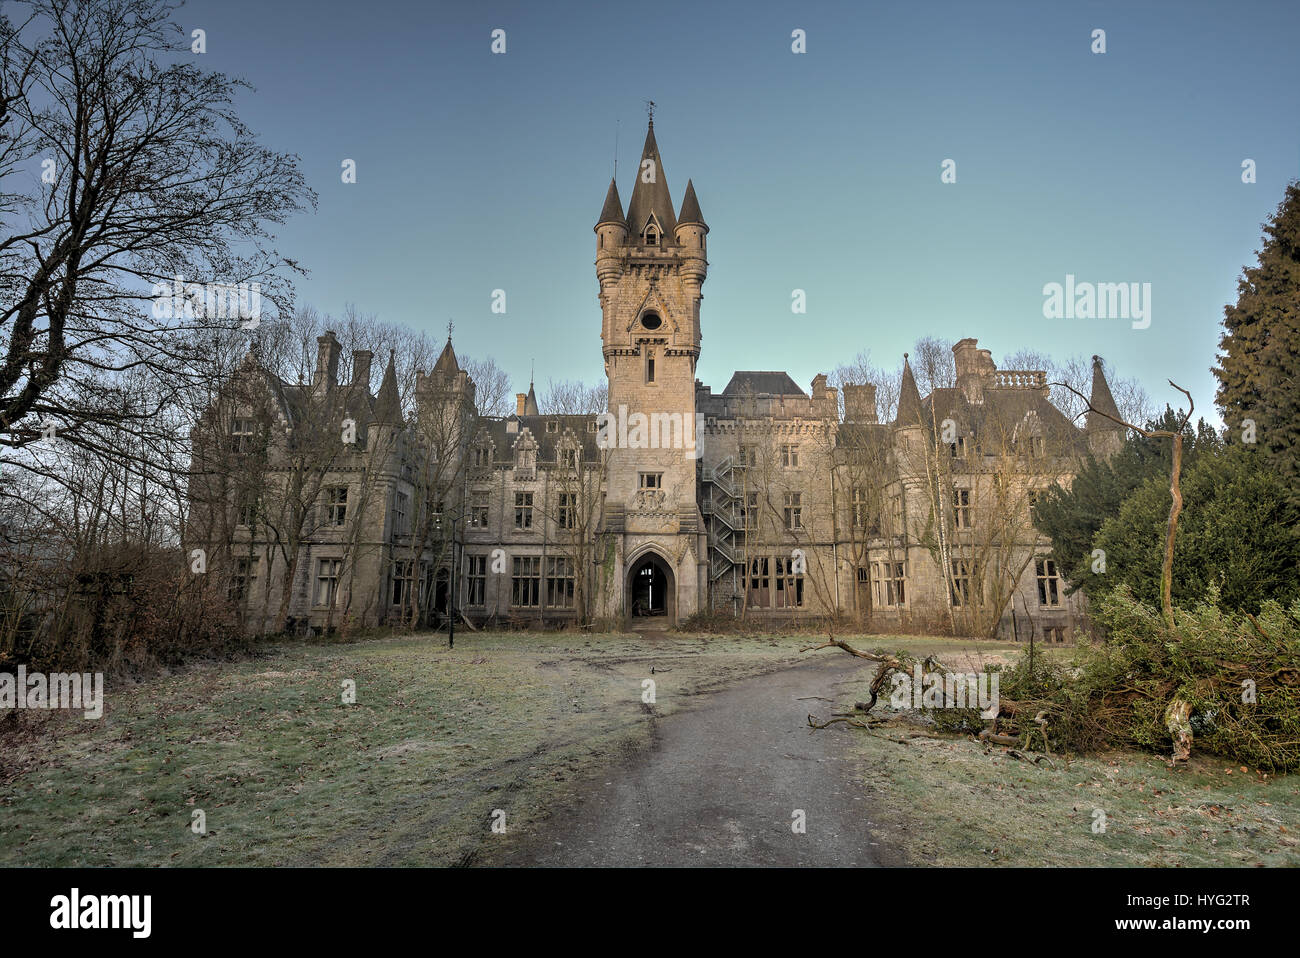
(651,265)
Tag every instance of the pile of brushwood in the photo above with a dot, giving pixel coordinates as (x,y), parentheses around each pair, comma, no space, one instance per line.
(1225,683)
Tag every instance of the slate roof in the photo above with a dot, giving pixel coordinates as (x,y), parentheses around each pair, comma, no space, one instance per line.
(548,443)
(1101,400)
(653,197)
(762,383)
(1002,415)
(691,208)
(612,211)
(909,398)
(388,404)
(446,366)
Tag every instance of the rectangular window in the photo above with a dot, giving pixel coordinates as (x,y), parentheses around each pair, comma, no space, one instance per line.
(1037,449)
(559,583)
(482,457)
(476,580)
(759,582)
(749,510)
(790,457)
(961,508)
(569,458)
(651,480)
(401,508)
(552,425)
(248,509)
(860,511)
(896,513)
(478,510)
(336,505)
(957,448)
(748,456)
(327,580)
(789,584)
(523,510)
(888,584)
(1049,583)
(566,515)
(241,578)
(526,582)
(793,511)
(960,585)
(650,369)
(243,433)
(403,581)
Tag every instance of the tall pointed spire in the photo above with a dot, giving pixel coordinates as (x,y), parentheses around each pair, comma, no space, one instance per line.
(650,195)
(691,208)
(1102,401)
(388,404)
(447,366)
(909,398)
(612,211)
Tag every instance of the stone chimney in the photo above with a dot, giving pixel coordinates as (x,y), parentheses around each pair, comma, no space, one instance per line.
(327,360)
(361,368)
(859,402)
(521,402)
(975,369)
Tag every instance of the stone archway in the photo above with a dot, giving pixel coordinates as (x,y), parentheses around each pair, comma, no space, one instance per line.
(651,592)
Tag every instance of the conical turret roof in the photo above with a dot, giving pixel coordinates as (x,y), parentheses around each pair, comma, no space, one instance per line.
(612,211)
(909,398)
(1102,401)
(650,195)
(388,404)
(691,208)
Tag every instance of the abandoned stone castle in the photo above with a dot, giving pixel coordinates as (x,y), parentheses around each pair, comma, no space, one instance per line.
(321,503)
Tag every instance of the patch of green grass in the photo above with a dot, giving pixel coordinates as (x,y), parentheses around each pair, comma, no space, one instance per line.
(286,774)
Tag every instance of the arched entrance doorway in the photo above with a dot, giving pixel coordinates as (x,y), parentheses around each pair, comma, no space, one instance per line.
(651,591)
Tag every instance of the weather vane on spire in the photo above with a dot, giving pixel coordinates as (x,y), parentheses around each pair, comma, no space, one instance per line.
(650,110)
(450,326)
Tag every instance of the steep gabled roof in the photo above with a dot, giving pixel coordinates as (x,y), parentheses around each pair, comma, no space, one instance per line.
(651,197)
(570,429)
(1002,419)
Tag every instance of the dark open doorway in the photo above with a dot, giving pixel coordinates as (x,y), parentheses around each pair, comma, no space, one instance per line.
(650,590)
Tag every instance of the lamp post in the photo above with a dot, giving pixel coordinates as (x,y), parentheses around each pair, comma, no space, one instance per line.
(451,598)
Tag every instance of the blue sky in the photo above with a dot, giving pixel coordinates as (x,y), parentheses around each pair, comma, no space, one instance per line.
(818,171)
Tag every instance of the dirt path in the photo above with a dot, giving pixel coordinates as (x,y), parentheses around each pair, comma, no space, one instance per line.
(721,785)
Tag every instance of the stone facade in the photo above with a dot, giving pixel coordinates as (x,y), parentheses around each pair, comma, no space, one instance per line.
(762,500)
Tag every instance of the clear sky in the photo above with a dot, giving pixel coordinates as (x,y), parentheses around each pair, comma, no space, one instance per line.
(817,171)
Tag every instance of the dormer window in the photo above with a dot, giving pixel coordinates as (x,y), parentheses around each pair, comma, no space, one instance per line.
(651,236)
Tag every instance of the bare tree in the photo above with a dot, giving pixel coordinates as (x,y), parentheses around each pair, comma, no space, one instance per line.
(572,397)
(1076,374)
(492,386)
(147,174)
